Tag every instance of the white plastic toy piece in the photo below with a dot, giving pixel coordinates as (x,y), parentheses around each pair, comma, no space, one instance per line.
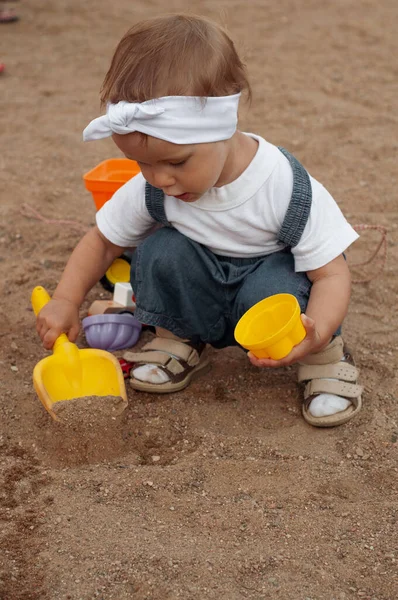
(123,294)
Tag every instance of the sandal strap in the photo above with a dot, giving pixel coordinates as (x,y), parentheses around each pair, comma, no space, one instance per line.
(343,371)
(338,388)
(180,350)
(165,352)
(161,359)
(333,353)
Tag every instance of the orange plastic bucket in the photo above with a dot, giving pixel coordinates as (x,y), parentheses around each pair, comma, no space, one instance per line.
(271,328)
(107,177)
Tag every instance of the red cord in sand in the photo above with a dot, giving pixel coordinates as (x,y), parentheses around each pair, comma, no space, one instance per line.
(29,211)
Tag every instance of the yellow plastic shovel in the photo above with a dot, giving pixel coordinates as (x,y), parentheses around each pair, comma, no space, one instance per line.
(71,373)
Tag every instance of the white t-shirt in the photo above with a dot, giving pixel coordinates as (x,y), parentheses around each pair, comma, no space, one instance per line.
(240,219)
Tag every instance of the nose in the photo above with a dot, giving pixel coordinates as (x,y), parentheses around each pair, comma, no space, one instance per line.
(162,178)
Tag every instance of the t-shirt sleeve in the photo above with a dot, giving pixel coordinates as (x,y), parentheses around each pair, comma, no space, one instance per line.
(327,233)
(124,219)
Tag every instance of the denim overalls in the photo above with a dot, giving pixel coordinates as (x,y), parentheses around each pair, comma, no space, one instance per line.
(185,288)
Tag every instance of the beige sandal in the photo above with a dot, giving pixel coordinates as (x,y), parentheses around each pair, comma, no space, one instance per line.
(331,371)
(181,361)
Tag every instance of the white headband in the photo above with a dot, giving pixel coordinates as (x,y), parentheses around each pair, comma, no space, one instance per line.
(176,119)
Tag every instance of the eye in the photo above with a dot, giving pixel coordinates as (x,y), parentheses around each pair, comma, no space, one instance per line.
(178,164)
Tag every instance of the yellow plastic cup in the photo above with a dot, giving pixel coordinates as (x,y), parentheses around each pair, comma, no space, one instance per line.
(272,327)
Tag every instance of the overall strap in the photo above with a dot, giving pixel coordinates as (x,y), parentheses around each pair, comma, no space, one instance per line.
(300,203)
(296,215)
(154,202)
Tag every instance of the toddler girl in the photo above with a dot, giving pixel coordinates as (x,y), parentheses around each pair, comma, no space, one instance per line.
(220,219)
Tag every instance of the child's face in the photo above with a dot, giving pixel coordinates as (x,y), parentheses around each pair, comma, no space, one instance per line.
(183,171)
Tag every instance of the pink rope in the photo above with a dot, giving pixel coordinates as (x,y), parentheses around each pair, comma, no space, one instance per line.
(382,245)
(28,211)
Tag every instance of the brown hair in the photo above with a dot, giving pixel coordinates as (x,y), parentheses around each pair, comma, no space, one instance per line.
(174,55)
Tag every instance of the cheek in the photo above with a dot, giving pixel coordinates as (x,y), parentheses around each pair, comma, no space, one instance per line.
(146,173)
(214,168)
(203,177)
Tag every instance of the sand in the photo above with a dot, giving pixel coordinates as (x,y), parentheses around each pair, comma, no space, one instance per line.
(221,491)
(88,430)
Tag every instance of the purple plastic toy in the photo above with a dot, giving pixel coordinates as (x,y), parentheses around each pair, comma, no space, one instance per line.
(111,331)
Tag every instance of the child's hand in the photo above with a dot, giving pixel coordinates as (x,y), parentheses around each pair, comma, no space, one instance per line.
(310,344)
(56,317)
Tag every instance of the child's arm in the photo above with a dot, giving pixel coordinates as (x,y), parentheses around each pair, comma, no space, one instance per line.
(329,297)
(87,264)
(326,309)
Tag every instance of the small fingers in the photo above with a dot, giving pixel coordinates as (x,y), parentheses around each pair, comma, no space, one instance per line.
(264,362)
(297,353)
(73,333)
(48,333)
(309,326)
(40,324)
(49,338)
(41,329)
(55,318)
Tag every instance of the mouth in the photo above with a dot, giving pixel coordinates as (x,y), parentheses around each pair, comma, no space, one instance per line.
(185,196)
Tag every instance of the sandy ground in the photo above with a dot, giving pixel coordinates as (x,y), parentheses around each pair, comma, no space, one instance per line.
(220,491)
